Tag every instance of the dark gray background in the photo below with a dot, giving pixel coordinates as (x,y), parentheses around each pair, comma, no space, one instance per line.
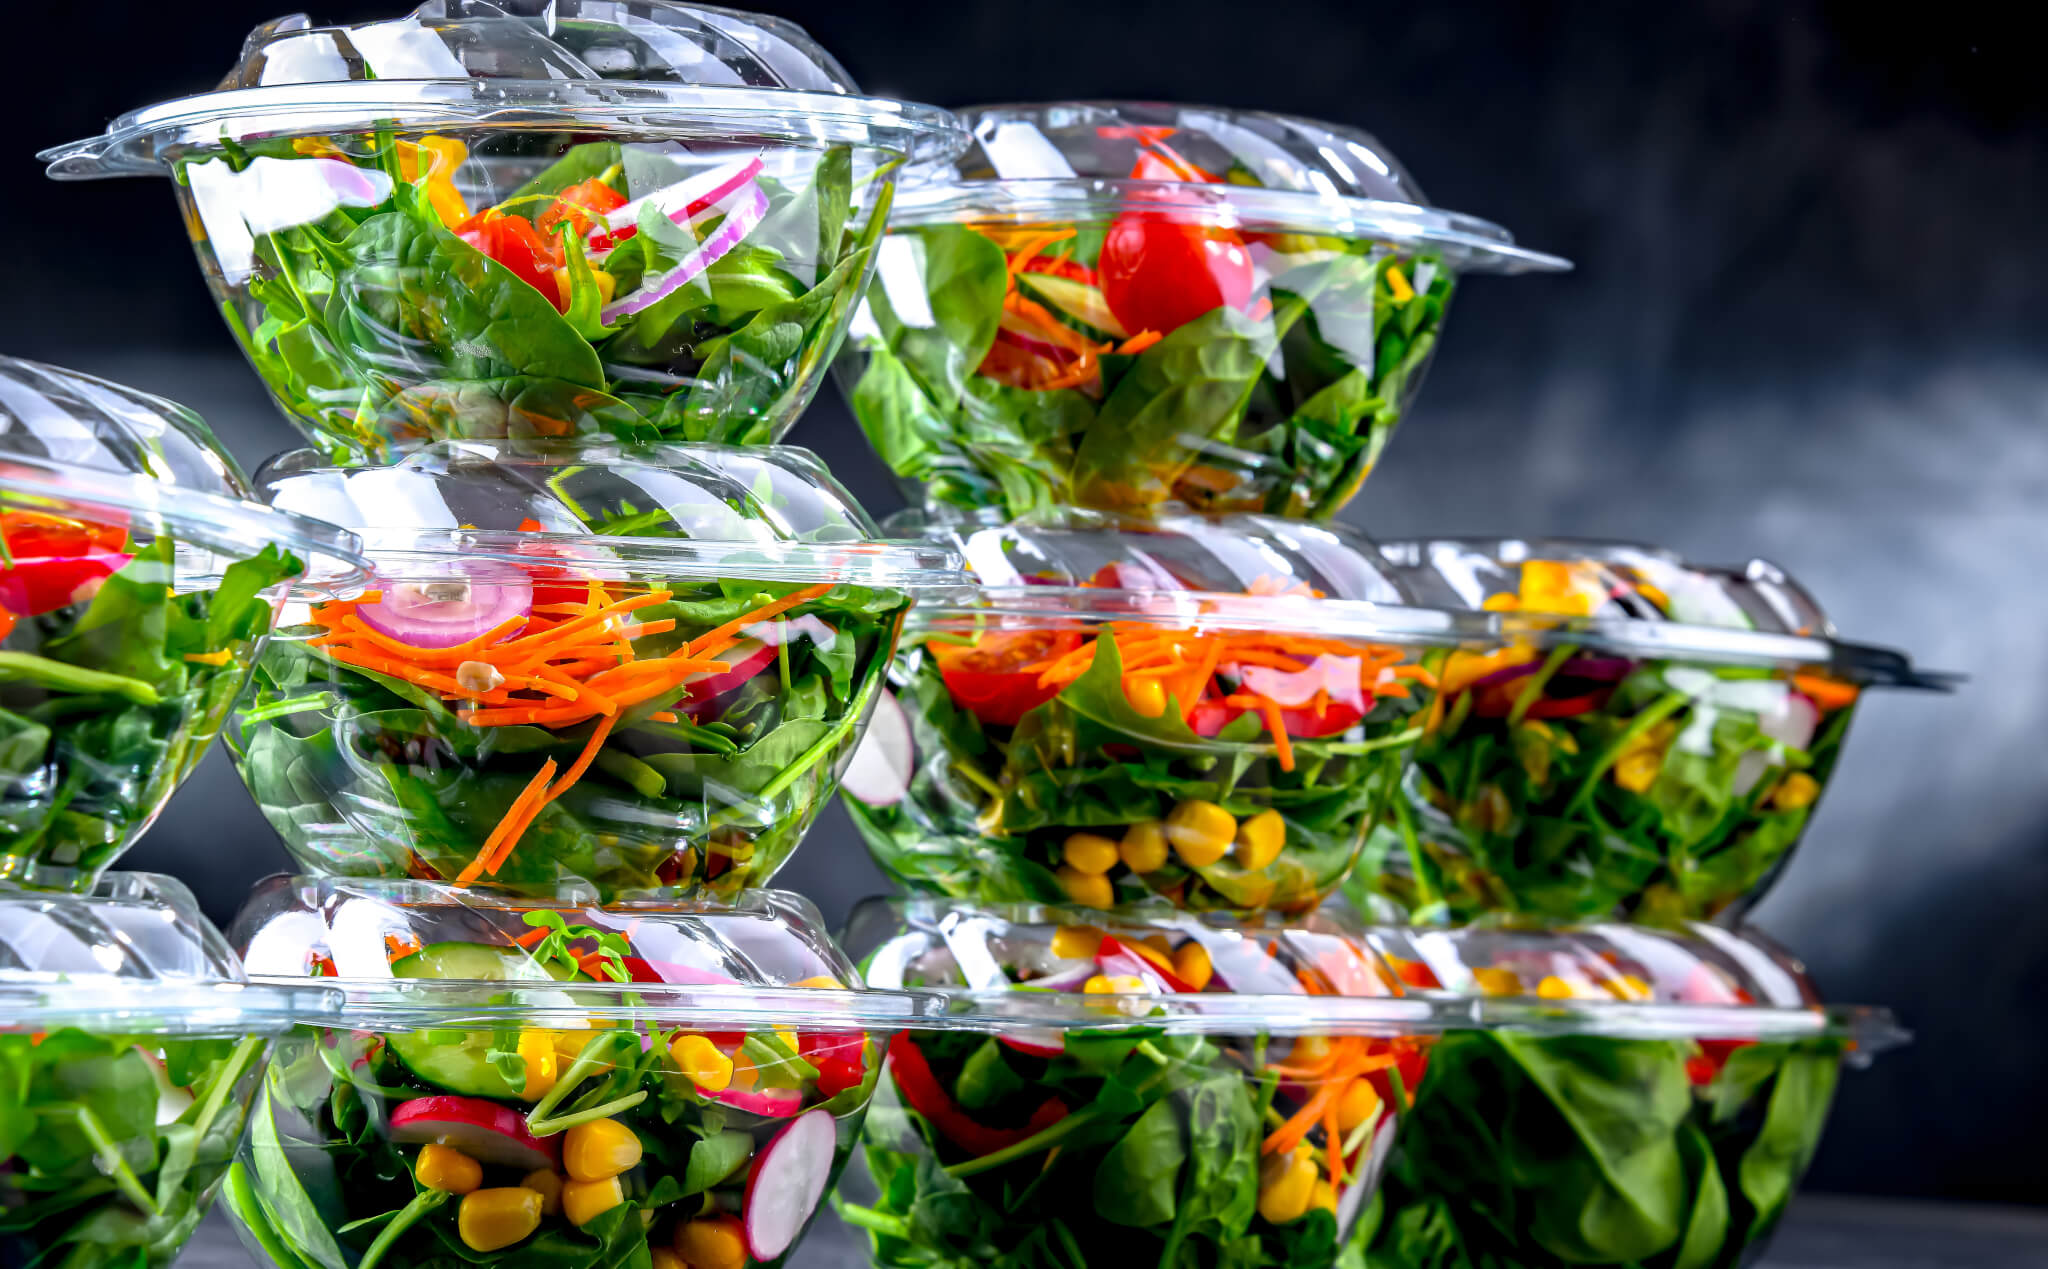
(1807,324)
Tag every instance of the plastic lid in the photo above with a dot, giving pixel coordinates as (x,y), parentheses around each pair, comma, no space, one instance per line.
(770,513)
(1001,971)
(76,445)
(1080,160)
(590,66)
(762,959)
(135,957)
(1640,601)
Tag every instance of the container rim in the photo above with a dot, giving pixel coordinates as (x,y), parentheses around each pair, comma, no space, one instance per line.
(47,1003)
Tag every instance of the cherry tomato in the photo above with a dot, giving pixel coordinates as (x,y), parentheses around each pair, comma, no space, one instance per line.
(580,205)
(513,242)
(988,679)
(1160,272)
(54,561)
(1412,1063)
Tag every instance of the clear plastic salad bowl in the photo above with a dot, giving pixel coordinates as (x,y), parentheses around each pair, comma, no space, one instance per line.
(132,1045)
(1620,1096)
(1118,1089)
(1119,305)
(138,580)
(544,1083)
(540,705)
(1209,713)
(1644,739)
(554,218)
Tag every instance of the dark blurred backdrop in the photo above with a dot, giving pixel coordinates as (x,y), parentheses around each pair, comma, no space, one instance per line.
(1809,322)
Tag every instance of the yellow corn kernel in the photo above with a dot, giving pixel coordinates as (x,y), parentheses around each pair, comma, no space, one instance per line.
(1158,943)
(585,1201)
(1554,988)
(569,1046)
(1143,848)
(1162,959)
(537,1050)
(1191,962)
(1360,1104)
(1636,771)
(701,1062)
(546,1184)
(1324,1195)
(1147,695)
(712,1243)
(599,1149)
(820,982)
(1502,602)
(665,1259)
(1629,987)
(442,1167)
(1076,942)
(1200,832)
(1125,984)
(1089,889)
(490,1219)
(1285,1197)
(1497,982)
(1260,838)
(1089,853)
(1309,1050)
(1795,791)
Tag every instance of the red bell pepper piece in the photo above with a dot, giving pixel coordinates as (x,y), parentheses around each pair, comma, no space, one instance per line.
(53,561)
(920,1088)
(580,205)
(839,1057)
(1113,957)
(513,242)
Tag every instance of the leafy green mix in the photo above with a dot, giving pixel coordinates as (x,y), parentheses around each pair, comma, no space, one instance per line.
(992,806)
(367,774)
(114,1145)
(1281,407)
(1642,798)
(376,326)
(1524,1152)
(106,705)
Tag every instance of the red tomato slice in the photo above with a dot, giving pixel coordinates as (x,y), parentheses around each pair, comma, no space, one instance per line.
(55,561)
(513,242)
(1211,717)
(1160,273)
(988,679)
(580,205)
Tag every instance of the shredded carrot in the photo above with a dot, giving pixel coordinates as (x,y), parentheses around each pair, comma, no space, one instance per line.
(722,638)
(662,716)
(1138,343)
(1828,694)
(530,793)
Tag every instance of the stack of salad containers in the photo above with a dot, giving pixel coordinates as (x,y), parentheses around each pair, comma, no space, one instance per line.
(1129,357)
(542,284)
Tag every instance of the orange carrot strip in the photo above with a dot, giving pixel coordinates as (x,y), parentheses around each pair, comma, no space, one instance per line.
(1139,342)
(1829,694)
(557,789)
(722,636)
(662,716)
(534,788)
(1333,1140)
(1283,746)
(1289,1134)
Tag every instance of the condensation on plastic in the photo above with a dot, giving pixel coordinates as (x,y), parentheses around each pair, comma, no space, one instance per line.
(134,956)
(1069,161)
(592,66)
(708,966)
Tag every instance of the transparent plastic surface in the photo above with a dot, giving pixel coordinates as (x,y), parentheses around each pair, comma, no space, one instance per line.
(523,1082)
(1706,1121)
(137,582)
(132,1046)
(1620,763)
(570,219)
(1142,710)
(1125,305)
(1111,1108)
(537,711)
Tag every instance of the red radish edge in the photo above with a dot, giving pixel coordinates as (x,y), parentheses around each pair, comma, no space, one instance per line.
(879,772)
(788,1182)
(747,658)
(769,1103)
(1045,1044)
(483,1130)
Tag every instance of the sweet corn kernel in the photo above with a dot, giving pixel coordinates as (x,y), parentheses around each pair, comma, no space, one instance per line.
(1629,987)
(1147,695)
(1076,942)
(1089,889)
(1360,1104)
(537,1050)
(599,1149)
(712,1243)
(1324,1196)
(1143,848)
(1200,832)
(1158,943)
(1260,838)
(1497,982)
(569,1046)
(821,982)
(1554,988)
(1158,957)
(1795,791)
(585,1201)
(1126,984)
(1089,853)
(665,1259)
(490,1219)
(701,1062)
(1285,1198)
(546,1184)
(1309,1050)
(442,1167)
(1191,962)
(1637,770)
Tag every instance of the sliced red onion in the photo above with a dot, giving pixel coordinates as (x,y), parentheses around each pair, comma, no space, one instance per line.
(470,598)
(1065,980)
(681,201)
(747,212)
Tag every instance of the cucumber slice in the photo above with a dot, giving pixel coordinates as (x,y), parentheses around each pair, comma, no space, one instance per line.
(471,962)
(459,1061)
(1077,300)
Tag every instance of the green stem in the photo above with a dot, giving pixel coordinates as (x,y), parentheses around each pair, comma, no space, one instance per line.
(290,705)
(111,1161)
(224,1082)
(581,1069)
(1397,740)
(549,1127)
(63,677)
(809,757)
(408,1216)
(873,1221)
(1532,691)
(1659,710)
(1419,862)
(1044,1139)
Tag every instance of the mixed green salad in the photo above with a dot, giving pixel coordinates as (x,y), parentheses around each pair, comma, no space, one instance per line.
(530,725)
(115,674)
(1218,769)
(631,1144)
(620,291)
(1131,1142)
(1569,784)
(113,1146)
(1155,356)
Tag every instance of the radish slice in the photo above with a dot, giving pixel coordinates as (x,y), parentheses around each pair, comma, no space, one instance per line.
(1045,1044)
(171,1101)
(470,598)
(769,1103)
(485,1131)
(746,658)
(739,221)
(787,1182)
(879,772)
